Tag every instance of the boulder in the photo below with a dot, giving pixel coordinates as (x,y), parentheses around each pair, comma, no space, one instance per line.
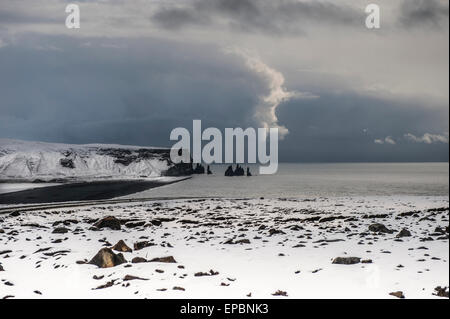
(131,277)
(1,268)
(108,222)
(168,259)
(106,258)
(346,260)
(60,230)
(404,233)
(138,260)
(398,294)
(142,244)
(121,247)
(380,228)
(441,292)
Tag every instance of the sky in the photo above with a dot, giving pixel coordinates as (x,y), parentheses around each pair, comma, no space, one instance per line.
(136,69)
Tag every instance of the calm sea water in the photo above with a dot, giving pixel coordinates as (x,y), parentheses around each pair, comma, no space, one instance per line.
(303,180)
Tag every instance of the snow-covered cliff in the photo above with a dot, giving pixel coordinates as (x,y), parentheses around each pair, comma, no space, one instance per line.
(31,161)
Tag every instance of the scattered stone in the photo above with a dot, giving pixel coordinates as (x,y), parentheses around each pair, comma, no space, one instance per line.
(60,230)
(134,224)
(107,285)
(346,260)
(138,260)
(142,244)
(108,222)
(168,259)
(441,292)
(380,228)
(276,232)
(130,277)
(240,241)
(210,273)
(121,247)
(106,258)
(179,288)
(366,261)
(280,293)
(398,294)
(404,233)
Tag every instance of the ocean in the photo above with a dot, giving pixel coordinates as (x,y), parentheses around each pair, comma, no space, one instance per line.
(316,180)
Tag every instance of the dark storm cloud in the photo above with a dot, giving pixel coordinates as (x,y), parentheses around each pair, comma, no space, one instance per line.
(135,93)
(433,13)
(277,17)
(94,91)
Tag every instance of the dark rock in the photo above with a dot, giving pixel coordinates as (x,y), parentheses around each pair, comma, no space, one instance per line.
(331,218)
(168,259)
(210,273)
(441,292)
(121,247)
(60,230)
(142,244)
(280,293)
(404,233)
(229,172)
(130,277)
(275,232)
(199,169)
(107,285)
(108,222)
(366,261)
(134,224)
(138,260)
(398,294)
(240,241)
(346,260)
(106,258)
(380,228)
(1,268)
(156,222)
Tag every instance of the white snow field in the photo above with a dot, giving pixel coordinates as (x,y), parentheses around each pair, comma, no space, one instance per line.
(232,248)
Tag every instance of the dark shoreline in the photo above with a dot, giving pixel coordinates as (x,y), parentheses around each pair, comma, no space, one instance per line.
(81,191)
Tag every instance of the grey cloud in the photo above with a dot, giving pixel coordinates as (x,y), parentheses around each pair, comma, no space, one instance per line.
(273,17)
(432,13)
(342,127)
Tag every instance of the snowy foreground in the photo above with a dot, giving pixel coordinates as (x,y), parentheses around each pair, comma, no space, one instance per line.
(224,248)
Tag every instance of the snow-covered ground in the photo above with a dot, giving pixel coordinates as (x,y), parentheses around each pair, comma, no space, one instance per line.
(287,245)
(29,161)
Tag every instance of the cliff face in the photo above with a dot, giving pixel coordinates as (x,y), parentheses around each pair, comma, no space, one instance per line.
(33,161)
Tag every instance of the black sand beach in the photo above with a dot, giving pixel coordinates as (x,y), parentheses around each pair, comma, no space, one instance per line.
(82,191)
